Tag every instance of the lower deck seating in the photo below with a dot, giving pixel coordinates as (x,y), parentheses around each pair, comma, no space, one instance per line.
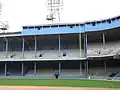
(98,71)
(52,71)
(2,72)
(97,49)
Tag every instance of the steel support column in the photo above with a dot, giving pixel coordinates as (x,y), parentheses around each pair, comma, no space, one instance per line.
(6,47)
(5,69)
(22,71)
(59,46)
(85,53)
(59,67)
(80,45)
(105,66)
(23,46)
(35,68)
(85,45)
(35,46)
(87,67)
(80,67)
(104,42)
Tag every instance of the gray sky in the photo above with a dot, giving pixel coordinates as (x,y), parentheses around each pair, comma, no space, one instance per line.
(33,12)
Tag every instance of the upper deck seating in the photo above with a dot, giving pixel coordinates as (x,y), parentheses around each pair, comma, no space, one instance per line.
(96,49)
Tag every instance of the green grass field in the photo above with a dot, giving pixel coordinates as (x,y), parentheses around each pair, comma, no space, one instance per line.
(61,82)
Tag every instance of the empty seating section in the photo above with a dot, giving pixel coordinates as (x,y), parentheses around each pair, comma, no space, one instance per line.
(96,49)
(92,72)
(46,72)
(14,54)
(52,71)
(48,54)
(70,71)
(93,50)
(3,54)
(30,73)
(118,75)
(50,50)
(100,71)
(2,72)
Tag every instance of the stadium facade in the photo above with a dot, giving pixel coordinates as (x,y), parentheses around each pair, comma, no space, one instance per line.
(74,50)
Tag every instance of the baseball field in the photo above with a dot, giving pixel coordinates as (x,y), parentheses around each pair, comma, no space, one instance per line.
(60,84)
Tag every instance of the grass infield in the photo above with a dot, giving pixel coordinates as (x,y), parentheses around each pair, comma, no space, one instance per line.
(60,82)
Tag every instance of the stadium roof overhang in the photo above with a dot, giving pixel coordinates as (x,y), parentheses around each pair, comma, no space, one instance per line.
(71,28)
(10,34)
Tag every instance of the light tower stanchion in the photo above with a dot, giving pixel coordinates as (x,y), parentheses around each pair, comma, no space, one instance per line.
(54,7)
(4,26)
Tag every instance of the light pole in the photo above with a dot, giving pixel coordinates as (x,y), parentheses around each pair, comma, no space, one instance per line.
(54,7)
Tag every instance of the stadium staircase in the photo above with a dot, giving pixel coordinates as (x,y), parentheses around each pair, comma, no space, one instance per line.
(117,75)
(114,74)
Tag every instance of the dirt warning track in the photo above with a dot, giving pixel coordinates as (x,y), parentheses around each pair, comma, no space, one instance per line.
(50,88)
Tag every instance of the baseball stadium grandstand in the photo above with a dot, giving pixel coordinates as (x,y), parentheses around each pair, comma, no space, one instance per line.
(77,50)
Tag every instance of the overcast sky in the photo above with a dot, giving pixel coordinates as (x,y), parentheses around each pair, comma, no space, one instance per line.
(33,12)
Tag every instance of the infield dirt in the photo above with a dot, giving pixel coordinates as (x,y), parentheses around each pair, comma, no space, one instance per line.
(50,88)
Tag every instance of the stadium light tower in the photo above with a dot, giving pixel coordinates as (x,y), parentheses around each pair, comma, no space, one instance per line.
(54,8)
(3,27)
(3,24)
